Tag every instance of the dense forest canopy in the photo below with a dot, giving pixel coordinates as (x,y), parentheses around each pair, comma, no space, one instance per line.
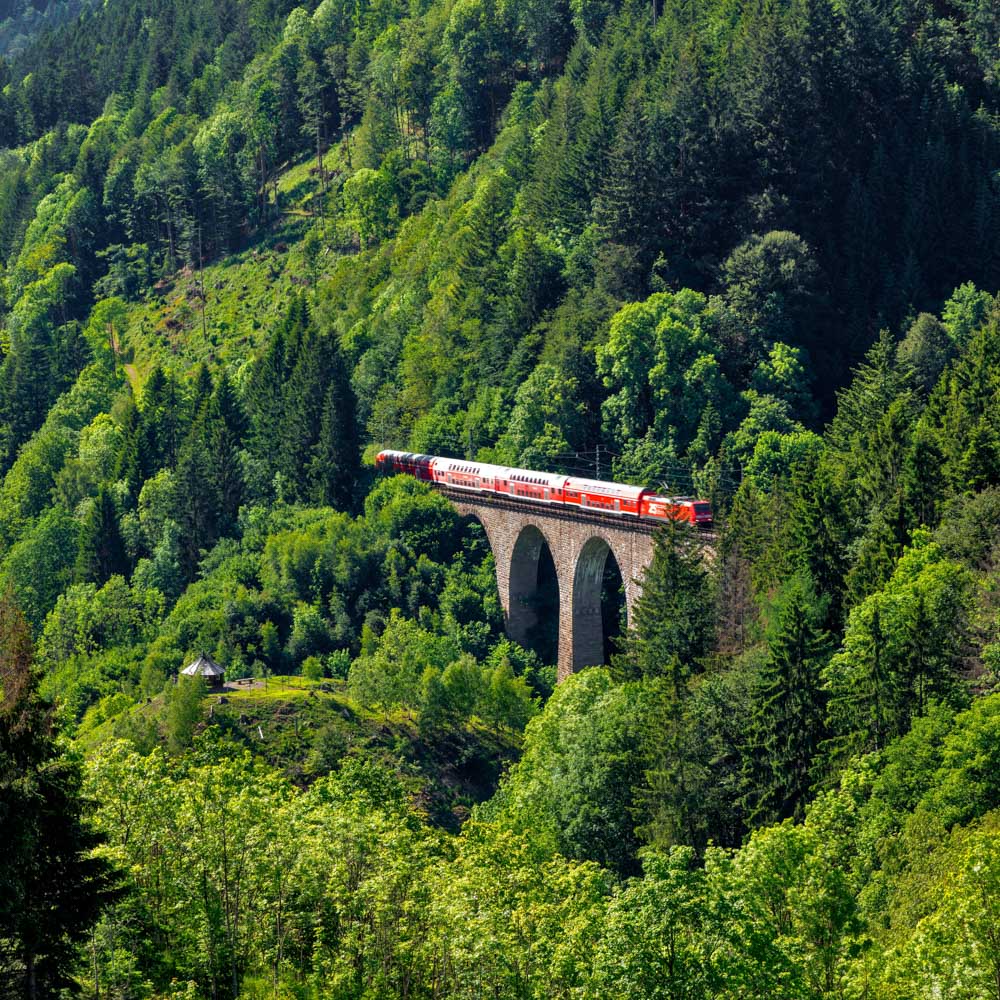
(747,250)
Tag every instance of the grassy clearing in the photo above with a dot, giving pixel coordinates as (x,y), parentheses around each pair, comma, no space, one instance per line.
(246,293)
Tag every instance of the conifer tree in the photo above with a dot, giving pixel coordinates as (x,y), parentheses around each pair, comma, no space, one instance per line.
(221,430)
(52,888)
(230,408)
(202,389)
(672,620)
(880,548)
(268,391)
(101,553)
(127,464)
(265,395)
(197,500)
(162,423)
(819,533)
(26,384)
(788,722)
(335,464)
(303,412)
(625,210)
(862,406)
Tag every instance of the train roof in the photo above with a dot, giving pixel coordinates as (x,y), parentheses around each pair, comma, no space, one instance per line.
(667,499)
(620,490)
(405,456)
(470,467)
(550,480)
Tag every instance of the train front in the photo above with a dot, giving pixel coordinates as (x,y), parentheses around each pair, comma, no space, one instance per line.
(701,511)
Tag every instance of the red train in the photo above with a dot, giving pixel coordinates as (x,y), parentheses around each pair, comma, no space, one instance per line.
(544,487)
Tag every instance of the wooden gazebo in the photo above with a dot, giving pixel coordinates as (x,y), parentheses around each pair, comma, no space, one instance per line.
(207,668)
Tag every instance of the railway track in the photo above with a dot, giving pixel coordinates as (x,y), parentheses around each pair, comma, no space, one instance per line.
(561,512)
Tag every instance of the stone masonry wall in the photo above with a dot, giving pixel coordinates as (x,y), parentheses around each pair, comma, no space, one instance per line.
(579,544)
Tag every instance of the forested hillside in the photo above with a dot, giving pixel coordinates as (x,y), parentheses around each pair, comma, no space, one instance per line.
(747,250)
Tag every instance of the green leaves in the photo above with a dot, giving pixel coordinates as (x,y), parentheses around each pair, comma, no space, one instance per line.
(52,887)
(902,648)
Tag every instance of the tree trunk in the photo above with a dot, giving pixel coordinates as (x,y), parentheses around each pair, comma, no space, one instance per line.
(29,974)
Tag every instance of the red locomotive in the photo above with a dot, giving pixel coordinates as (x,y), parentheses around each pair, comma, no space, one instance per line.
(544,487)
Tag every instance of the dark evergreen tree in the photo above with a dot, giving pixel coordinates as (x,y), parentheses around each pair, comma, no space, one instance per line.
(52,887)
(101,552)
(230,408)
(879,549)
(788,717)
(672,620)
(222,428)
(819,533)
(26,389)
(266,395)
(626,209)
(335,464)
(162,423)
(298,432)
(198,500)
(128,465)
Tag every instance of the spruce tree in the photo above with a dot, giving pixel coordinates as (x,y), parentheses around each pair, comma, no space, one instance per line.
(626,209)
(127,463)
(162,423)
(52,887)
(672,621)
(879,550)
(101,553)
(202,389)
(335,464)
(268,392)
(298,432)
(197,500)
(265,396)
(819,531)
(221,430)
(230,408)
(26,387)
(788,720)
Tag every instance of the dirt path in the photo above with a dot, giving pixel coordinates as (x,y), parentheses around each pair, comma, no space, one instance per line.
(131,373)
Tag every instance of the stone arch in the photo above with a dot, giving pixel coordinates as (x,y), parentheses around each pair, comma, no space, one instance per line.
(587,624)
(522,580)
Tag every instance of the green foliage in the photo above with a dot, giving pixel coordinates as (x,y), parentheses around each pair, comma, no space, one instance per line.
(672,620)
(41,565)
(273,238)
(101,553)
(392,673)
(788,722)
(53,885)
(576,788)
(183,711)
(902,648)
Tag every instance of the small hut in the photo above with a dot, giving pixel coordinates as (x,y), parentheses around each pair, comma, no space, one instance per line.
(205,667)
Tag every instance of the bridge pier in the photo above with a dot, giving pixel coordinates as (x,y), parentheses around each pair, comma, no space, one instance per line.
(580,545)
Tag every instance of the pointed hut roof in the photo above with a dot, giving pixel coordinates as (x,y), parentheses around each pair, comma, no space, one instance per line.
(204,666)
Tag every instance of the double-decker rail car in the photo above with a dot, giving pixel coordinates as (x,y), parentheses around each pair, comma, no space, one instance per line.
(595,494)
(526,484)
(544,487)
(467,475)
(393,462)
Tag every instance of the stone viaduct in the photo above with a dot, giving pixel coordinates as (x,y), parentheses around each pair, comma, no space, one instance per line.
(580,543)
